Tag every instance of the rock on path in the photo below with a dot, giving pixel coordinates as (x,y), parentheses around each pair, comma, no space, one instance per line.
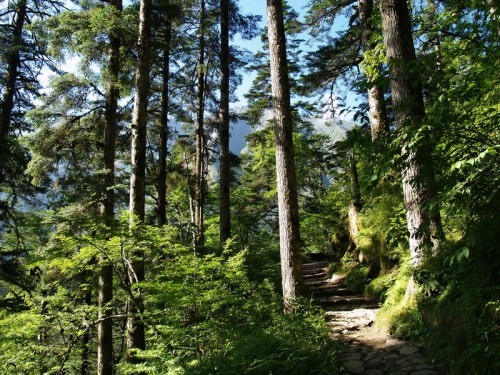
(366,350)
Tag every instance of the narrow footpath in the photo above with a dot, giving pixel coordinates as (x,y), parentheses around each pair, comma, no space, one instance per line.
(366,350)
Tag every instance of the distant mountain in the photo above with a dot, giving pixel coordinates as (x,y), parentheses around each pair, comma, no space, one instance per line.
(335,128)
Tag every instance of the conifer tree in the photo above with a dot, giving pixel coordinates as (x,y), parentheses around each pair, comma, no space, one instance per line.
(135,308)
(291,265)
(225,168)
(105,326)
(199,175)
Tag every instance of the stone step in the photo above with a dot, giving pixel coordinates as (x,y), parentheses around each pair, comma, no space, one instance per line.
(339,291)
(330,286)
(306,266)
(341,308)
(350,301)
(312,269)
(316,275)
(316,283)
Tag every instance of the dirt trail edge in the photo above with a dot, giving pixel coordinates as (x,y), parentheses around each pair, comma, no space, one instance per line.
(366,350)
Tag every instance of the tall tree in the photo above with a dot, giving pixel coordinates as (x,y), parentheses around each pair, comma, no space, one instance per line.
(13,62)
(199,176)
(135,325)
(163,127)
(423,223)
(291,265)
(21,61)
(105,326)
(225,168)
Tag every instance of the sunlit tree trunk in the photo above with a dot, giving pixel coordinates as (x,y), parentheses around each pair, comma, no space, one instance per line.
(198,232)
(225,168)
(378,112)
(424,224)
(291,265)
(135,325)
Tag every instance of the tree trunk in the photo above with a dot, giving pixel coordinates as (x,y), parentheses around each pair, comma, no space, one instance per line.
(105,292)
(162,152)
(225,168)
(424,224)
(198,232)
(378,112)
(285,163)
(135,325)
(13,62)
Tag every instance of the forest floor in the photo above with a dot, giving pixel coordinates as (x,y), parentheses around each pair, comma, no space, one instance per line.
(364,348)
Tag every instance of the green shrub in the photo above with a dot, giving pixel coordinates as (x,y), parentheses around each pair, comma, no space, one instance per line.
(357,278)
(378,287)
(285,344)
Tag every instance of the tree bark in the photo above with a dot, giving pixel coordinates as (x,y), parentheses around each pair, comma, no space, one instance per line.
(135,325)
(225,167)
(13,62)
(105,282)
(291,265)
(378,111)
(198,231)
(162,151)
(424,224)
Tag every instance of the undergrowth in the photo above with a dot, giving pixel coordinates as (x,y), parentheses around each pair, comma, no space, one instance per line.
(456,312)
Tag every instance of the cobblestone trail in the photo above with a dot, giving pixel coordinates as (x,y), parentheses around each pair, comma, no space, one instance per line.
(366,350)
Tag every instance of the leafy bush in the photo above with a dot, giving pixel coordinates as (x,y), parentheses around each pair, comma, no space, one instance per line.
(285,344)
(379,287)
(357,278)
(210,317)
(382,231)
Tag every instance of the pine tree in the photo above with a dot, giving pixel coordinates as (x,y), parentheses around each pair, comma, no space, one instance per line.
(225,167)
(135,307)
(291,265)
(105,326)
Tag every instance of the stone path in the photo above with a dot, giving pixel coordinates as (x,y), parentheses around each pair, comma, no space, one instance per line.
(366,350)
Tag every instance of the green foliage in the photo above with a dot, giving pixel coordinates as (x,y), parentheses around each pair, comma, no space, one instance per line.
(357,278)
(203,315)
(208,316)
(394,305)
(19,350)
(456,306)
(382,236)
(379,287)
(286,344)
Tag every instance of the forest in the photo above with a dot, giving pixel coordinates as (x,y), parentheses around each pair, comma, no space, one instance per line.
(133,241)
